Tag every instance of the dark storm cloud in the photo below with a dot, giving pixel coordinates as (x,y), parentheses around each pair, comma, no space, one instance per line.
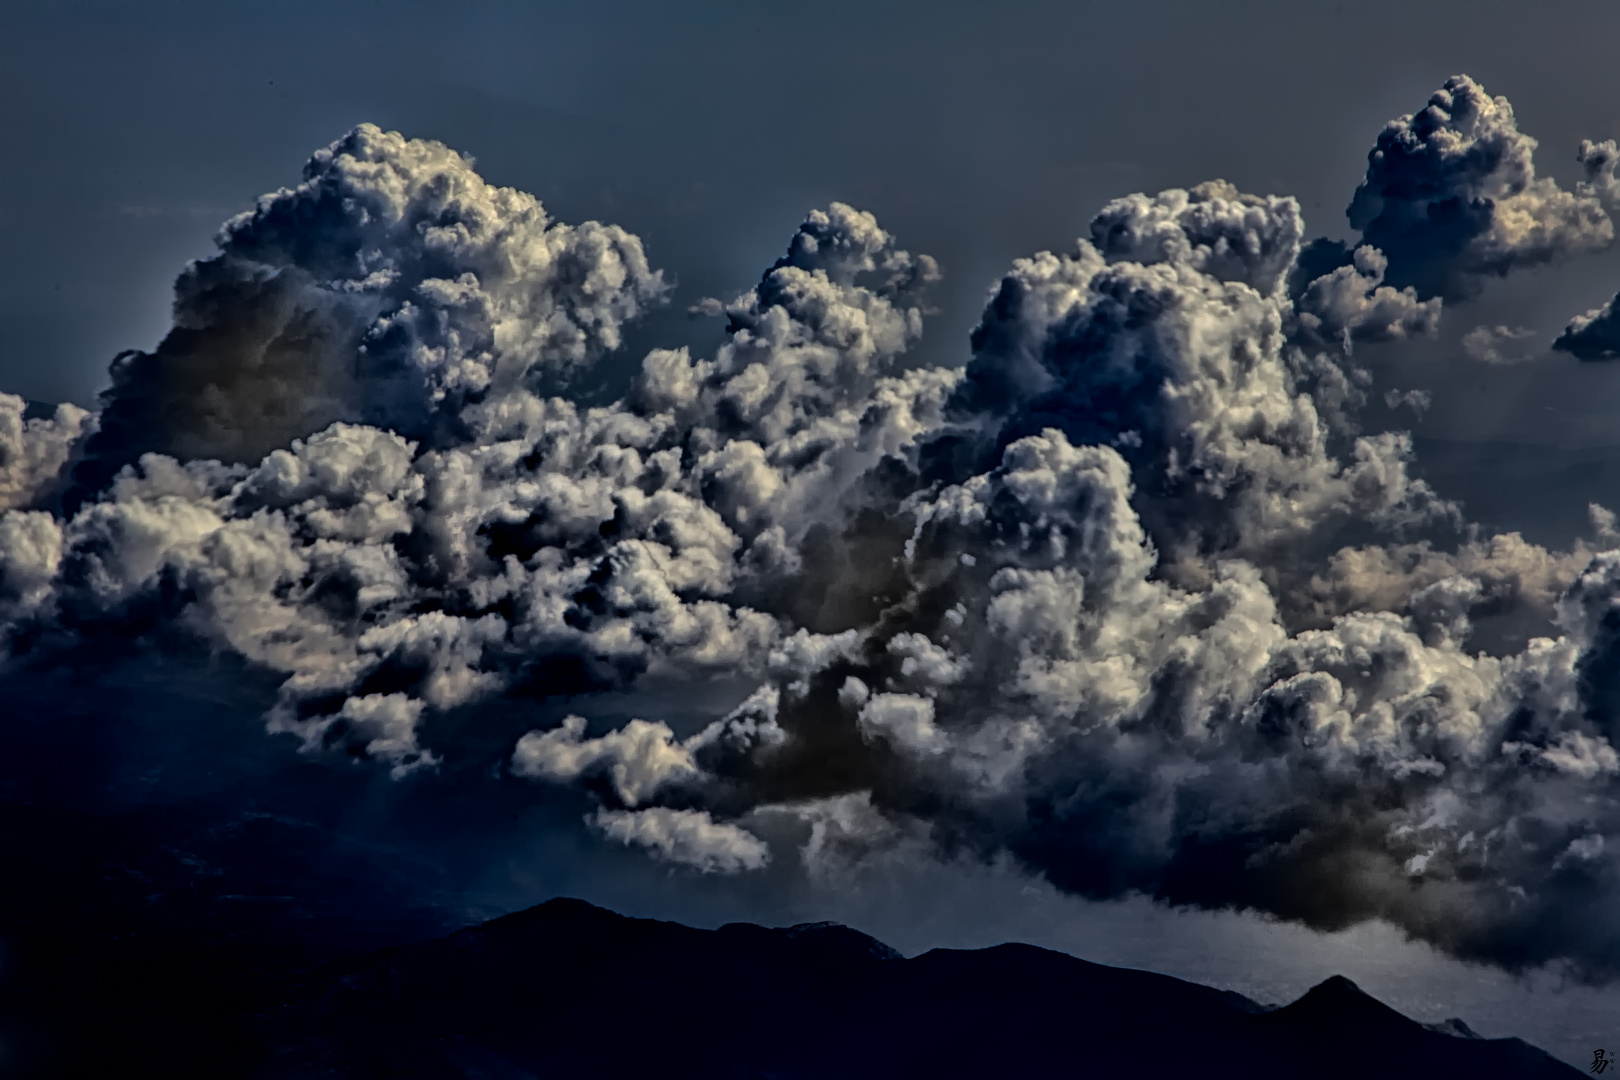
(1127,597)
(1452,197)
(1594,335)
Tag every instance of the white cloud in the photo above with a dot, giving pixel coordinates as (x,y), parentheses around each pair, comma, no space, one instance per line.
(1128,600)
(686,837)
(640,757)
(34,454)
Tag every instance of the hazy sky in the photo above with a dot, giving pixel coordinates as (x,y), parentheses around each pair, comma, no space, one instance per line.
(975,133)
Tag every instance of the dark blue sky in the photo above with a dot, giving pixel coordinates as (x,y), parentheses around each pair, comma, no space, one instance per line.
(708,130)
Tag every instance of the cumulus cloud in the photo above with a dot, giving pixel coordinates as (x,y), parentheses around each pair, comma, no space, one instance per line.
(1499,345)
(1351,303)
(1452,197)
(392,286)
(1599,160)
(1594,335)
(1190,374)
(1519,582)
(1127,599)
(1214,229)
(35,453)
(514,542)
(640,757)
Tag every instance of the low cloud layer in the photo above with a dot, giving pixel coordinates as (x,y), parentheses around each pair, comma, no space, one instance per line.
(1131,597)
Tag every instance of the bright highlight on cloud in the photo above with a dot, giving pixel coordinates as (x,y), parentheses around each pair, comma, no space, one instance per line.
(1130,598)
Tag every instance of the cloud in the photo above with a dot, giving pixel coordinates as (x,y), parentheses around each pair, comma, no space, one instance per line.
(1214,229)
(686,837)
(1192,376)
(30,557)
(1129,599)
(1594,335)
(35,453)
(1452,198)
(1416,400)
(1598,160)
(1498,345)
(1519,582)
(640,757)
(1350,303)
(393,286)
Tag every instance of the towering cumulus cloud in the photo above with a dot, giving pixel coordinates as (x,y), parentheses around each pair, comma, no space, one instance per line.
(1452,196)
(392,286)
(1129,598)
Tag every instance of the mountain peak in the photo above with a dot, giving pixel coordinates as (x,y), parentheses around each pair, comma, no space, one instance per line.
(1337,1001)
(836,937)
(1338,985)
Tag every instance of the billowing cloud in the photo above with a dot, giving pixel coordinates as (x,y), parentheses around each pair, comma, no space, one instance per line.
(640,757)
(1452,197)
(1351,303)
(36,452)
(1127,599)
(1594,335)
(1173,358)
(392,286)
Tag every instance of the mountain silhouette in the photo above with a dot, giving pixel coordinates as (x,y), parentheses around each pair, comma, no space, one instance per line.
(567,989)
(262,947)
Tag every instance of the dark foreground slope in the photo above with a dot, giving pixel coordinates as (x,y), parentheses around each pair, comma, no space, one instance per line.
(569,990)
(143,944)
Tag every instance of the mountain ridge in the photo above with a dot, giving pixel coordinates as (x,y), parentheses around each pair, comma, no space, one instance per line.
(569,989)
